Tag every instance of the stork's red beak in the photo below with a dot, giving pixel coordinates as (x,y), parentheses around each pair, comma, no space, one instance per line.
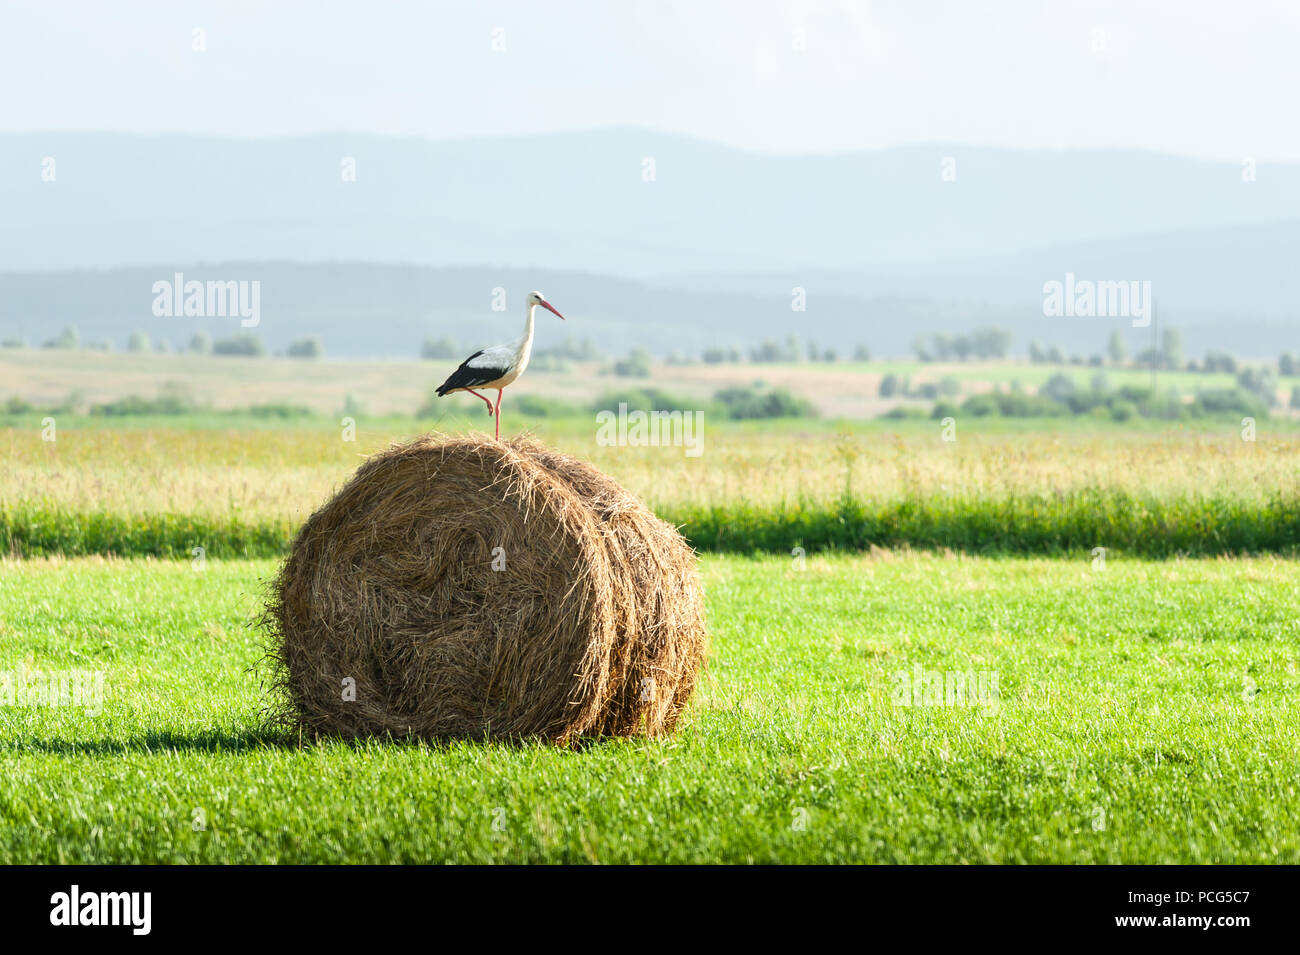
(549,307)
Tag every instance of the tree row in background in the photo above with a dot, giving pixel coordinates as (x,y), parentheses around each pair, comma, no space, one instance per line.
(201,343)
(982,344)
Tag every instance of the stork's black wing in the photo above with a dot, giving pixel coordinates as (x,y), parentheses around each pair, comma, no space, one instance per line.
(468,377)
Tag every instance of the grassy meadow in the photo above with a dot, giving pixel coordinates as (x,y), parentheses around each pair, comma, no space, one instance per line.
(163,486)
(1130,705)
(1142,712)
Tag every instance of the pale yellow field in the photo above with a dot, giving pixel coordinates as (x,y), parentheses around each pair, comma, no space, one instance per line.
(290,471)
(48,377)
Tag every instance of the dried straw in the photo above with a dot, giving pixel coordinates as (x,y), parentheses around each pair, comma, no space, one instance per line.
(388,617)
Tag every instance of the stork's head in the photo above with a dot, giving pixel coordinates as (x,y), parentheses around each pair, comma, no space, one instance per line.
(537,298)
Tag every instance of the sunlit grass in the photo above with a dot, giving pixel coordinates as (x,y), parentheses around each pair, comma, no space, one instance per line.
(287,472)
(760,486)
(1145,712)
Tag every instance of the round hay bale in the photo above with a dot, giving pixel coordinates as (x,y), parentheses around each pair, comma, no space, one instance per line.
(472,588)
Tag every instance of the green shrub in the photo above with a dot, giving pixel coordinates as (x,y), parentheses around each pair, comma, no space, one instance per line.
(247,345)
(173,398)
(1012,404)
(1229,401)
(748,403)
(1123,410)
(904,413)
(309,347)
(136,405)
(1219,361)
(1259,382)
(635,365)
(644,399)
(279,410)
(538,407)
(67,338)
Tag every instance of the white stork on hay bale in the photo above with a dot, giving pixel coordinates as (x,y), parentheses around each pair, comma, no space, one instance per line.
(497,366)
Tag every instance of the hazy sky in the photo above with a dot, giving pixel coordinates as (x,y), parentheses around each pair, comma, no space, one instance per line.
(1213,80)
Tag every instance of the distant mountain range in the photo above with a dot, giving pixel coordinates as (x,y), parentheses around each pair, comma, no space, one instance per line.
(580,201)
(362,309)
(653,239)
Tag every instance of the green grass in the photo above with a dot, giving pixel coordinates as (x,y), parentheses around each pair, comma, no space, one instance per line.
(1143,525)
(1146,713)
(42,530)
(1079,520)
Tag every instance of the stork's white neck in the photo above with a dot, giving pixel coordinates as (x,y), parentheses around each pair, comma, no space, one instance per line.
(526,343)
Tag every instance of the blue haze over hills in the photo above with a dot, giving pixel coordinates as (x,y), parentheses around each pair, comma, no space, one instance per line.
(706,253)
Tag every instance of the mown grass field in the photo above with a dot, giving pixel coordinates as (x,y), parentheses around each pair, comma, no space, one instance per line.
(1144,712)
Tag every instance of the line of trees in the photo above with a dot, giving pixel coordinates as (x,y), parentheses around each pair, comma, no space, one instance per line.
(981,344)
(1168,356)
(770,352)
(201,343)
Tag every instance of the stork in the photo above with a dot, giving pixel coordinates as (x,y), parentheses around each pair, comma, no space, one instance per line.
(497,366)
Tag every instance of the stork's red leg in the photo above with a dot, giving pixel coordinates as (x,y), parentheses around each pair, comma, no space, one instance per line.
(486,400)
(497,414)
